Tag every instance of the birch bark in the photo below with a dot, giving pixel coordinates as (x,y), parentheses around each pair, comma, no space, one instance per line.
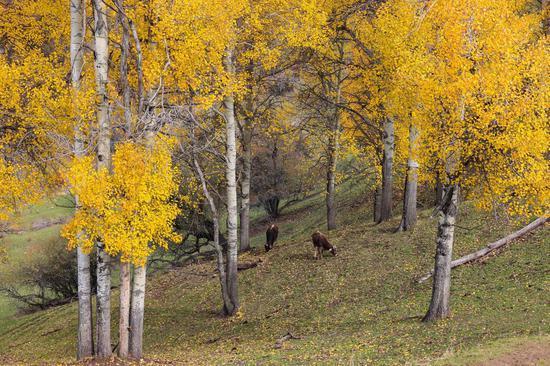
(101,39)
(232,209)
(85,339)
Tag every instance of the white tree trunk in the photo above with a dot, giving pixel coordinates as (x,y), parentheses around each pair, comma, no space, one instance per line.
(102,78)
(137,312)
(85,347)
(101,38)
(232,209)
(441,289)
(387,168)
(85,339)
(103,317)
(124,55)
(125,272)
(408,219)
(137,309)
(124,321)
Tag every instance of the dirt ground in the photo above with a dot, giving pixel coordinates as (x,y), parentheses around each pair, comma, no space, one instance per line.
(530,353)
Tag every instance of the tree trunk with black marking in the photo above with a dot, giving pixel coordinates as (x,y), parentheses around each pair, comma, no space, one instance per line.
(85,347)
(232,208)
(441,288)
(124,321)
(137,310)
(101,38)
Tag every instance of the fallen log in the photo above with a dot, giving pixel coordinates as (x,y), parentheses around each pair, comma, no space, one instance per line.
(247,265)
(491,247)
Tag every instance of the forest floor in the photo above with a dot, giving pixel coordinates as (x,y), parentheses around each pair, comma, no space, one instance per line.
(361,307)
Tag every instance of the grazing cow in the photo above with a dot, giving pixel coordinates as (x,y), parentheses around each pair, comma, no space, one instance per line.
(271,237)
(321,243)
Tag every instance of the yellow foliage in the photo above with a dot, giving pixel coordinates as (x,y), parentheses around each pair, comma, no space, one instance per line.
(35,103)
(18,186)
(471,76)
(131,210)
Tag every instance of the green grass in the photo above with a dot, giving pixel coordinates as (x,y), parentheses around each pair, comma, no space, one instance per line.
(23,245)
(20,247)
(361,307)
(51,210)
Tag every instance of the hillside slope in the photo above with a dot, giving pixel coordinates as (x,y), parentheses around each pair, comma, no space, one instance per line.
(361,307)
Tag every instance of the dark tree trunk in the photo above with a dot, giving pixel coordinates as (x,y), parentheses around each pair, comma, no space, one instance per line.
(331,190)
(333,147)
(377,204)
(331,178)
(271,205)
(439,305)
(245,196)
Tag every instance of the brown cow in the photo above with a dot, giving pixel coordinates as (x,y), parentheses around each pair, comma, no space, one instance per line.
(321,243)
(271,236)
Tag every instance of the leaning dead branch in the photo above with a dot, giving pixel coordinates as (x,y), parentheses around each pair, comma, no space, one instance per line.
(492,247)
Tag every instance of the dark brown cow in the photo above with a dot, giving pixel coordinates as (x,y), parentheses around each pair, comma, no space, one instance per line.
(321,243)
(271,236)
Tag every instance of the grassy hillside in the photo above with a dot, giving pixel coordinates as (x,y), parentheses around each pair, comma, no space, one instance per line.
(361,307)
(32,228)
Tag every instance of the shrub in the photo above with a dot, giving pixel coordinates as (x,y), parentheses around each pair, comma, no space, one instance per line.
(47,276)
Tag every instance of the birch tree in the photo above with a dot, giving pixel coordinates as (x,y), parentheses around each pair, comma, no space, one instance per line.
(101,41)
(470,116)
(434,71)
(386,189)
(231,178)
(215,53)
(85,340)
(408,218)
(441,289)
(137,312)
